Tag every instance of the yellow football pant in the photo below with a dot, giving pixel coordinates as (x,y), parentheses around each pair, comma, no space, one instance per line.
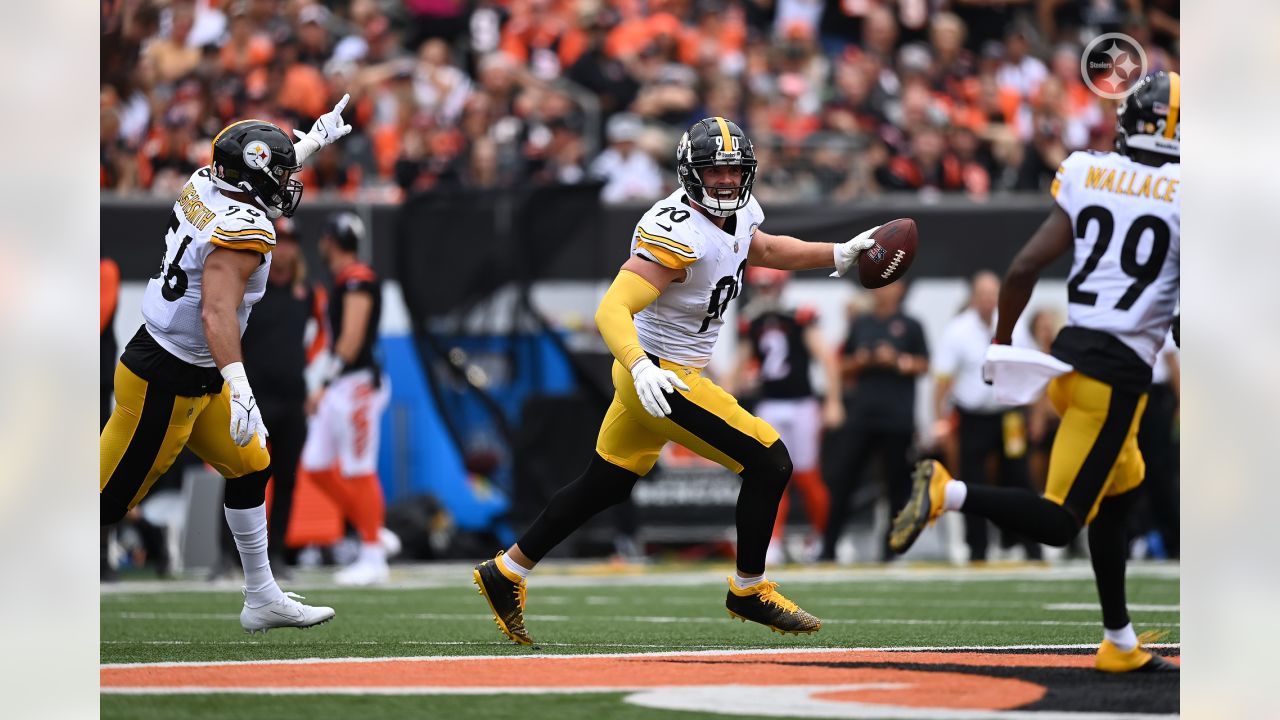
(706,419)
(1095,453)
(150,426)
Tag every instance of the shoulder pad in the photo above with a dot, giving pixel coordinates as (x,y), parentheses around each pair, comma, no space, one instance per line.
(665,235)
(240,227)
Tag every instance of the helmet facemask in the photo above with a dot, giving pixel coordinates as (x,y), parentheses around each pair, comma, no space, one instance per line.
(719,200)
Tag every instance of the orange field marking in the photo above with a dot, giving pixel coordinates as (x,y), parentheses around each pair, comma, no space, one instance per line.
(583,672)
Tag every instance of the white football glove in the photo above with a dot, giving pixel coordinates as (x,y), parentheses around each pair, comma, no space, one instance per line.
(847,252)
(326,130)
(652,382)
(246,418)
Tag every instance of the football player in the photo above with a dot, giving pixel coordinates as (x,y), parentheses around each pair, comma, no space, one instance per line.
(181,380)
(660,318)
(341,454)
(780,343)
(1119,213)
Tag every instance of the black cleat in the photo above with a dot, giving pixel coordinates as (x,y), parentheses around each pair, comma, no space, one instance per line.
(762,603)
(506,598)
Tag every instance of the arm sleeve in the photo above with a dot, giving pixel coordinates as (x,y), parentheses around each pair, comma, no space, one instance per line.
(628,295)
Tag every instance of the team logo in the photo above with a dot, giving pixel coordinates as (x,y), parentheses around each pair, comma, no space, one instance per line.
(876,253)
(1113,65)
(257,155)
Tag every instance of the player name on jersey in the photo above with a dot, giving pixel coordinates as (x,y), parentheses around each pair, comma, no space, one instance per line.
(196,212)
(1125,182)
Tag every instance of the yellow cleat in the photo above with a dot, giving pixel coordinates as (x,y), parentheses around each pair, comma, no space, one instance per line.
(923,508)
(505,595)
(1114,660)
(762,603)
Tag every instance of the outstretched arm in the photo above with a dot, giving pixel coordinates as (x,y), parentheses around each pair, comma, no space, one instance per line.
(784,252)
(1050,241)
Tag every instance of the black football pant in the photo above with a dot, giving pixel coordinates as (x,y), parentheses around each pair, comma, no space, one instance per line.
(983,461)
(848,453)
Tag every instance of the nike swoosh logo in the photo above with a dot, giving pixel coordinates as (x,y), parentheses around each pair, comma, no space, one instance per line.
(288,616)
(665,227)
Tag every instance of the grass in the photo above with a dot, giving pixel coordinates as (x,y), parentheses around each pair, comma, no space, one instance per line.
(569,612)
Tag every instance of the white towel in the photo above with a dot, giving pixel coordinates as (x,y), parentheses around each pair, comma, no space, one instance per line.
(1019,375)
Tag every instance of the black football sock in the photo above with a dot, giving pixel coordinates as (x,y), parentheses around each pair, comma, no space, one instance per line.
(762,486)
(601,485)
(1023,512)
(1109,550)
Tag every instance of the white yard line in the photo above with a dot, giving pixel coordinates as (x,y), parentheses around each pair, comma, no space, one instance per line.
(577,575)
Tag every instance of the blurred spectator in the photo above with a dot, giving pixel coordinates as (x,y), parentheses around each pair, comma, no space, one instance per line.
(1157,439)
(884,353)
(429,78)
(629,174)
(992,437)
(1042,419)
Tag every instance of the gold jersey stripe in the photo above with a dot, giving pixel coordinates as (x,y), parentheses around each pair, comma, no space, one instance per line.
(245,232)
(257,245)
(666,241)
(1175,100)
(724,133)
(665,256)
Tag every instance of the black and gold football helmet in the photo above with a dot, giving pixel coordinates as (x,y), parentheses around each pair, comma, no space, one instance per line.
(715,141)
(257,158)
(1149,118)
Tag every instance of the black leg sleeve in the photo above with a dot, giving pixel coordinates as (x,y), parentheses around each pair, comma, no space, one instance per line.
(288,424)
(602,485)
(1109,550)
(1024,512)
(764,480)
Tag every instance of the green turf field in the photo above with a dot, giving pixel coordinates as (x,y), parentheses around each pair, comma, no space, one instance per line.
(435,611)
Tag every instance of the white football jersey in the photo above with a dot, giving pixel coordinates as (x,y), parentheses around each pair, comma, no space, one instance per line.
(202,219)
(1127,220)
(683,323)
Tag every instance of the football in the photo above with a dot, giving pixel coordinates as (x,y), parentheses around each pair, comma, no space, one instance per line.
(889,258)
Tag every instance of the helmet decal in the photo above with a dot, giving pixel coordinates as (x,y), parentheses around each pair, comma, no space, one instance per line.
(257,155)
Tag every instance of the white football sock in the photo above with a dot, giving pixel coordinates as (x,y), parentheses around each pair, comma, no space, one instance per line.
(742,582)
(1124,638)
(372,553)
(956,492)
(514,567)
(249,528)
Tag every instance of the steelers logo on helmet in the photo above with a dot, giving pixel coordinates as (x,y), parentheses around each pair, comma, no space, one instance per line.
(257,155)
(713,142)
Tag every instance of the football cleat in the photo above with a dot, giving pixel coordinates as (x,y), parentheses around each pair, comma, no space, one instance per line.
(762,603)
(363,573)
(1114,660)
(505,595)
(923,508)
(285,612)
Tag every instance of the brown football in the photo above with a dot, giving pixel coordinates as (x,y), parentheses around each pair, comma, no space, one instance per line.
(889,258)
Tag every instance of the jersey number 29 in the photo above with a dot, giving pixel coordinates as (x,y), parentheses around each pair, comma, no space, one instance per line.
(1143,272)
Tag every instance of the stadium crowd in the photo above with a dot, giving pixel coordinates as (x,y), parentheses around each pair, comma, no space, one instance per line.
(842,98)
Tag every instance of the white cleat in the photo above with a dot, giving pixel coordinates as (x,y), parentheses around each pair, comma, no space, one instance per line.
(363,573)
(286,612)
(390,542)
